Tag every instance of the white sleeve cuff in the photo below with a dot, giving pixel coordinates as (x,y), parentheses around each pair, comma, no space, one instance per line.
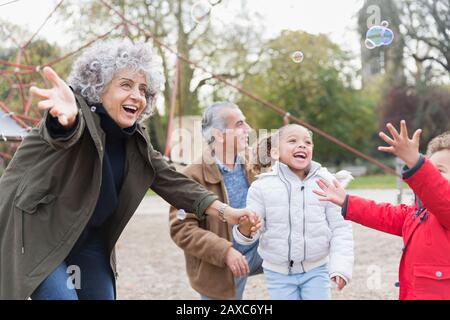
(334,274)
(241,239)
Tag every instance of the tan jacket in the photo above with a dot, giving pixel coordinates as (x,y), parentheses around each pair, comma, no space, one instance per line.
(206,242)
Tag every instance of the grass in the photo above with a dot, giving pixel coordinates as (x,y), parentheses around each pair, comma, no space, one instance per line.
(375,182)
(365,182)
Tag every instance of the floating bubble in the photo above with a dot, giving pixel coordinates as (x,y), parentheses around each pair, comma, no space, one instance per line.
(181,214)
(297,56)
(369,44)
(201,11)
(378,36)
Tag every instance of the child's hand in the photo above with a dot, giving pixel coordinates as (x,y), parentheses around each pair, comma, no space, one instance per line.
(248,229)
(334,192)
(401,146)
(340,283)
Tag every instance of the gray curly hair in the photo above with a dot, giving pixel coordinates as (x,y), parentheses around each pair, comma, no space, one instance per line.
(213,119)
(95,68)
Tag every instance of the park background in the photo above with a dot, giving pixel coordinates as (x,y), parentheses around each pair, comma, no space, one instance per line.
(340,87)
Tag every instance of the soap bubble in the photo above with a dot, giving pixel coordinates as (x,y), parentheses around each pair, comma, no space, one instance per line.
(378,36)
(201,11)
(297,56)
(181,214)
(369,44)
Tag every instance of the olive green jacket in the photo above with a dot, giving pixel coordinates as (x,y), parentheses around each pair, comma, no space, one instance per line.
(49,192)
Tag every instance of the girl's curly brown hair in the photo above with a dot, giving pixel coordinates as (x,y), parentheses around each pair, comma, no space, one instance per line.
(261,161)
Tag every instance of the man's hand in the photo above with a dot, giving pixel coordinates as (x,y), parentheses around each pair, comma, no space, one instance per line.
(60,100)
(400,144)
(332,192)
(237,263)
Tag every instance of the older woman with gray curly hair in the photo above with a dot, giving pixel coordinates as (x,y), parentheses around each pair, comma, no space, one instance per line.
(80,175)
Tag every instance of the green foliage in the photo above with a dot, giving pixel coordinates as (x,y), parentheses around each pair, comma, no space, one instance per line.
(375,182)
(422,106)
(38,53)
(318,91)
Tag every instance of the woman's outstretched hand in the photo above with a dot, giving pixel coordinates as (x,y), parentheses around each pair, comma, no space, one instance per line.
(59,100)
(231,215)
(332,192)
(400,145)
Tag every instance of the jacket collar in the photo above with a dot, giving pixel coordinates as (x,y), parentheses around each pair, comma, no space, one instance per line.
(211,172)
(223,168)
(280,167)
(110,127)
(94,126)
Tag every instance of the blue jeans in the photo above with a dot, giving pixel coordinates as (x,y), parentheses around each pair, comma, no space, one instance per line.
(254,263)
(88,262)
(312,285)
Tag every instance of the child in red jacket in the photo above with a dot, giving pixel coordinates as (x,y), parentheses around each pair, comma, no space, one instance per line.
(424,271)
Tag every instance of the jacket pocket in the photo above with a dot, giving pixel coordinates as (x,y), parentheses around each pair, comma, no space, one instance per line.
(28,203)
(432,282)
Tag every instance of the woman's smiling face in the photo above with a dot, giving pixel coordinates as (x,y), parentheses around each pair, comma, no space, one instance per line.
(125,97)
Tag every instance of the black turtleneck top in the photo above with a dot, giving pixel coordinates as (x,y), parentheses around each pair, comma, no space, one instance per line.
(113,162)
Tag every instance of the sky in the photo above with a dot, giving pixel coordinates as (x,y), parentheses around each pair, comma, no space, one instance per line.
(335,18)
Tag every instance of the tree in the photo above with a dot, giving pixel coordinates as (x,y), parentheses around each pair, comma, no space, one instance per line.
(427,25)
(171,21)
(318,91)
(422,107)
(387,60)
(36,53)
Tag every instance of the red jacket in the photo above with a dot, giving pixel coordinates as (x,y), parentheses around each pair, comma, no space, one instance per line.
(424,271)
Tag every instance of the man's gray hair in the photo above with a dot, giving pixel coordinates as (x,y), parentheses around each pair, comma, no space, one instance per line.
(213,119)
(95,68)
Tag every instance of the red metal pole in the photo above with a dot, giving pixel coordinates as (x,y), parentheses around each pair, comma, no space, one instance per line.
(172,108)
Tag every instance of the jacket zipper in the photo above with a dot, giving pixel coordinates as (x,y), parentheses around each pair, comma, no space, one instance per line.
(304,228)
(288,187)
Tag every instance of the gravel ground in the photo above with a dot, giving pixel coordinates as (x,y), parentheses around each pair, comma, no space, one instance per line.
(151,266)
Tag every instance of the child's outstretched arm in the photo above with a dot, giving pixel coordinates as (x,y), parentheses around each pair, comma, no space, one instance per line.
(383,217)
(432,189)
(244,233)
(423,178)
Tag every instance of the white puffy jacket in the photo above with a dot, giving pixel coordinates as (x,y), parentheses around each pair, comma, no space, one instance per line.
(300,232)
